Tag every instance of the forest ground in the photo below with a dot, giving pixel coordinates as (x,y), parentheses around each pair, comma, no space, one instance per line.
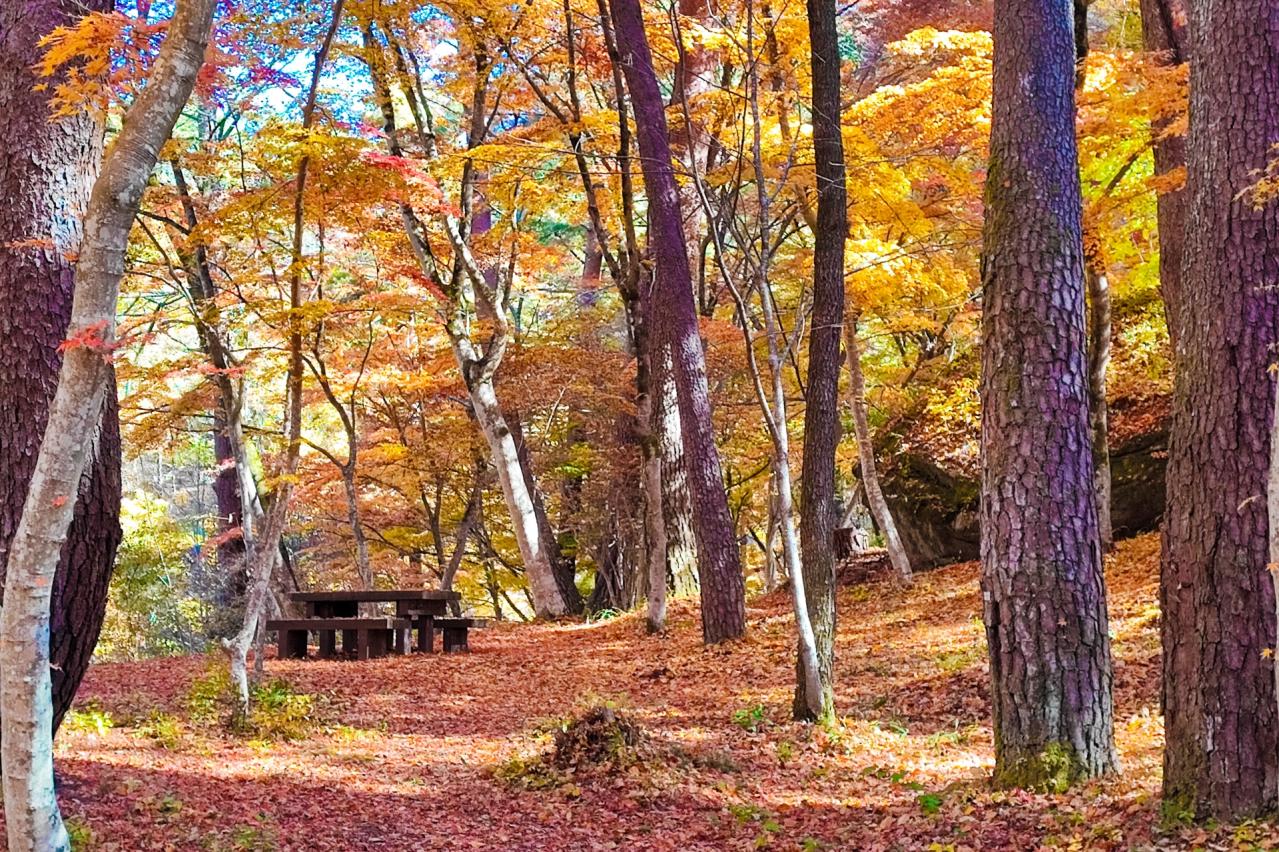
(436,751)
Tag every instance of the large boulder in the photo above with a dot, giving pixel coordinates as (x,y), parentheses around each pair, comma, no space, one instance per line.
(934,498)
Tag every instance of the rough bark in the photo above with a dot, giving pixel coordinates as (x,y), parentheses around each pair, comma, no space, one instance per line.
(1164,25)
(1218,611)
(1043,591)
(32,819)
(675,326)
(47,169)
(879,509)
(822,429)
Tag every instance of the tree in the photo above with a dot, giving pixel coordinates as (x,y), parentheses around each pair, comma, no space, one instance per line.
(32,818)
(1042,584)
(48,166)
(1163,27)
(1217,602)
(674,325)
(866,457)
(821,416)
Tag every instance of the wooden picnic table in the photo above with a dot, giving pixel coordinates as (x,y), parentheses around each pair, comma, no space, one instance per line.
(328,613)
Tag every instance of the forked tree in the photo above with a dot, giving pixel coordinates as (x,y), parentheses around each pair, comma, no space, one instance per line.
(1043,592)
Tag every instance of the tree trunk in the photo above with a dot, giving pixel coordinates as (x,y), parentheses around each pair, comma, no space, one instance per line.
(821,414)
(675,326)
(1097,283)
(656,545)
(1042,585)
(46,171)
(677,503)
(1163,24)
(72,434)
(564,567)
(1218,604)
(866,454)
(535,549)
(362,564)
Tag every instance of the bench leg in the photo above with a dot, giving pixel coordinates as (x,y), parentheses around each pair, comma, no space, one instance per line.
(328,644)
(348,643)
(455,640)
(293,644)
(403,640)
(362,643)
(426,634)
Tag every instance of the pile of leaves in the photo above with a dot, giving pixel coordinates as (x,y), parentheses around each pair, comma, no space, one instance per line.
(602,738)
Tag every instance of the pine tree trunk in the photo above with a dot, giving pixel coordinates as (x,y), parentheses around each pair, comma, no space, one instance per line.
(1218,603)
(33,821)
(1163,24)
(675,326)
(47,169)
(866,455)
(822,429)
(1042,585)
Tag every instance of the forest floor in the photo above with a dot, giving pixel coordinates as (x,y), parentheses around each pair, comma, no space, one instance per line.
(428,752)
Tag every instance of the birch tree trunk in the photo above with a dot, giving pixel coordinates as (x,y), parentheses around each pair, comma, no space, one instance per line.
(675,326)
(32,819)
(1218,619)
(1044,596)
(866,455)
(47,169)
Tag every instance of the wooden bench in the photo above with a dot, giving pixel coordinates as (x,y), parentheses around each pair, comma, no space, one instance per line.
(362,638)
(454,631)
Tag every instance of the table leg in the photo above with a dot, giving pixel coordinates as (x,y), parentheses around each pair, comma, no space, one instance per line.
(426,634)
(363,641)
(403,640)
(328,644)
(454,640)
(294,644)
(348,643)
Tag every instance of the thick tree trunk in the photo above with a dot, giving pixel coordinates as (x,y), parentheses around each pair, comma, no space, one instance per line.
(32,819)
(1218,611)
(1042,586)
(675,326)
(822,428)
(47,169)
(1164,24)
(866,455)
